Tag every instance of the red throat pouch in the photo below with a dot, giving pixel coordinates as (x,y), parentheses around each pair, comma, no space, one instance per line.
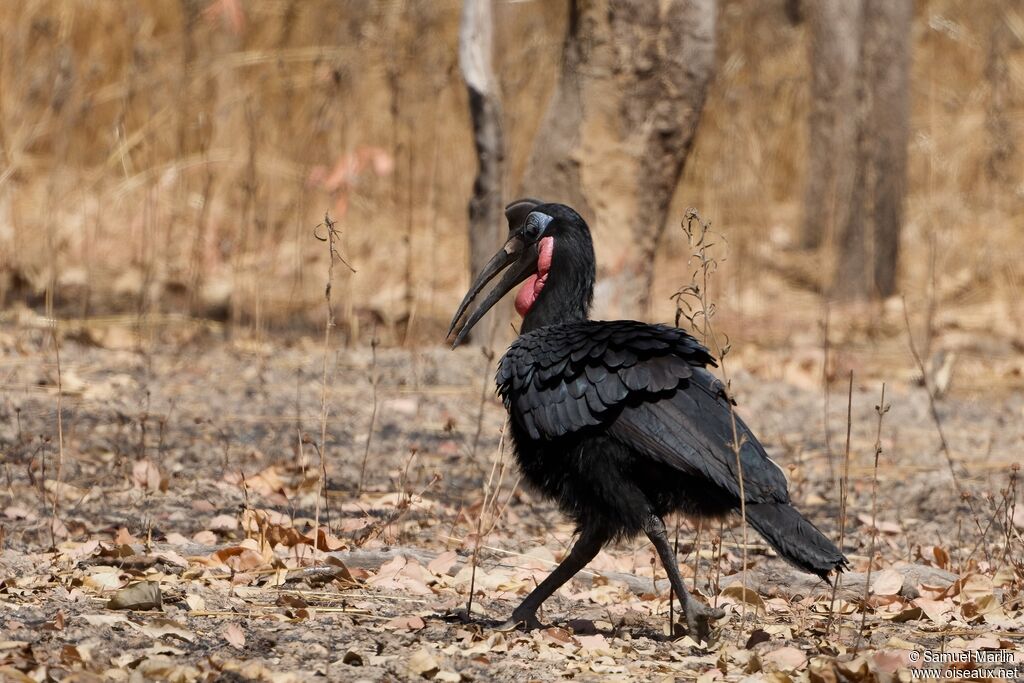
(531,289)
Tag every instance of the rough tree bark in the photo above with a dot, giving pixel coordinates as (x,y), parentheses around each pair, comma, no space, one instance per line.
(553,169)
(834,51)
(486,206)
(620,126)
(998,123)
(875,218)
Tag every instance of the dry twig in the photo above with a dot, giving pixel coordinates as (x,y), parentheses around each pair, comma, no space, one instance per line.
(881,409)
(331,239)
(963,494)
(844,492)
(374,379)
(699,307)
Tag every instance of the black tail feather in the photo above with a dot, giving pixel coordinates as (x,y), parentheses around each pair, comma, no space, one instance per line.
(795,539)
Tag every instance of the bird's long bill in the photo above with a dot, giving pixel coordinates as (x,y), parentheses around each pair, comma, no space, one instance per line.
(523,262)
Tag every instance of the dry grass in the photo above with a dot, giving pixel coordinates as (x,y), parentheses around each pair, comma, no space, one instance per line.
(172,157)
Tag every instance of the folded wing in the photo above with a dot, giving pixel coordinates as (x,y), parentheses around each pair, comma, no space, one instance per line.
(644,384)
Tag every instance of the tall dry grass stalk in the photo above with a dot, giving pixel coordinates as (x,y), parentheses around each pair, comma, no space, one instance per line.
(51,317)
(963,494)
(936,419)
(490,489)
(844,497)
(694,303)
(59,476)
(881,409)
(826,386)
(330,238)
(374,379)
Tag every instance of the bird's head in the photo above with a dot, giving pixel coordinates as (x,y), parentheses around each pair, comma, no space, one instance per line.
(548,248)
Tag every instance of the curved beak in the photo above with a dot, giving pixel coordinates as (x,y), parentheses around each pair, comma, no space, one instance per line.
(523,262)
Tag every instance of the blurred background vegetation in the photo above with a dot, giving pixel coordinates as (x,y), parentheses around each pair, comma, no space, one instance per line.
(173,158)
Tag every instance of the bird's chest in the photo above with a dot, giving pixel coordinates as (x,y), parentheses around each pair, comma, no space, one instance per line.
(572,466)
(548,465)
(593,478)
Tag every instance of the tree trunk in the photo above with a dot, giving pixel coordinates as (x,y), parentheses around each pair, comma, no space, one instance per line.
(875,217)
(486,206)
(834,50)
(1002,138)
(620,126)
(887,54)
(553,169)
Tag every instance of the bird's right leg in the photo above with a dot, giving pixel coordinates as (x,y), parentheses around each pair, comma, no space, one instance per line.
(698,616)
(587,546)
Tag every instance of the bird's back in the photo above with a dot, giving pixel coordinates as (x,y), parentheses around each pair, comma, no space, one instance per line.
(563,378)
(639,395)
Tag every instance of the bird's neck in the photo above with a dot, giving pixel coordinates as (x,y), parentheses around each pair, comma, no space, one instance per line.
(568,290)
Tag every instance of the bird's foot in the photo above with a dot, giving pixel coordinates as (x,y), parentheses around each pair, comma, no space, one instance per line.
(698,620)
(526,621)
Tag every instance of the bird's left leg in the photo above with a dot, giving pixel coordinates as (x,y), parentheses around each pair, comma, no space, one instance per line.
(698,616)
(585,549)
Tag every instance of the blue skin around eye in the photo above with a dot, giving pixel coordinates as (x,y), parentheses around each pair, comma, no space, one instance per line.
(537,223)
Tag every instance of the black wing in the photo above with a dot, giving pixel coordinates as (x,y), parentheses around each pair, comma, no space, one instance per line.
(645,385)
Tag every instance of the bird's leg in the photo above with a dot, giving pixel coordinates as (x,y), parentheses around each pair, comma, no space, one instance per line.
(583,551)
(698,616)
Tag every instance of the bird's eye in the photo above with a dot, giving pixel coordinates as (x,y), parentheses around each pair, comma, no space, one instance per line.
(536,224)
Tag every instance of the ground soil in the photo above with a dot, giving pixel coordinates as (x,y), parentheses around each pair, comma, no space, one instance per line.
(190,463)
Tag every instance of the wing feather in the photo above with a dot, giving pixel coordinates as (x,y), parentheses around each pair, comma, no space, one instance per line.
(692,431)
(612,390)
(589,370)
(596,373)
(637,377)
(647,385)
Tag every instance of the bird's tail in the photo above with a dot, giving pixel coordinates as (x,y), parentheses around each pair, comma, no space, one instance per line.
(795,539)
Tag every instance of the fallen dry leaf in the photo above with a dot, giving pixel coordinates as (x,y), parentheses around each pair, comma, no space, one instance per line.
(9,673)
(737,593)
(146,475)
(423,663)
(936,610)
(757,636)
(443,562)
(883,527)
(410,623)
(912,613)
(205,537)
(161,628)
(786,658)
(196,603)
(241,558)
(124,537)
(887,582)
(223,523)
(975,587)
(234,636)
(144,595)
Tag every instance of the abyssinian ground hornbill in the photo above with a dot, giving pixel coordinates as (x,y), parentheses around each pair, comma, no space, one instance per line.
(620,422)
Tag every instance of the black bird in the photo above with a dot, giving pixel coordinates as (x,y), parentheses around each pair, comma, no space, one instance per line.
(620,422)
